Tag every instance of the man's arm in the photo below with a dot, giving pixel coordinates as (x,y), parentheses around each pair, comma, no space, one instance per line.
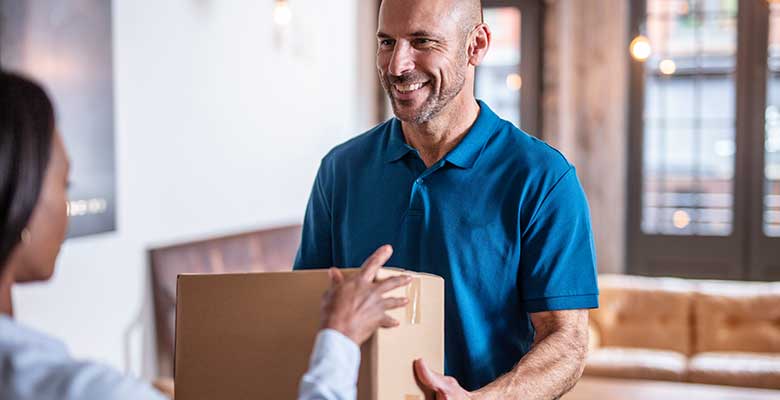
(549,370)
(554,364)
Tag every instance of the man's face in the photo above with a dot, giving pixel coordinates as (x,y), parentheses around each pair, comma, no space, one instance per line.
(421,57)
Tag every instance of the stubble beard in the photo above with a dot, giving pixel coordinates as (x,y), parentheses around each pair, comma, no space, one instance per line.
(432,105)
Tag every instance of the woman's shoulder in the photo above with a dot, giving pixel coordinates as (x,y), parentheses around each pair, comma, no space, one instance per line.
(15,336)
(32,362)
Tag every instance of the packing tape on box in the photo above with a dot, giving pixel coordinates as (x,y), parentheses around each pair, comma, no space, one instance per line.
(413,312)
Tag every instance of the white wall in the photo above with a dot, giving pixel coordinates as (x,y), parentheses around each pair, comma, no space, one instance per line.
(218,130)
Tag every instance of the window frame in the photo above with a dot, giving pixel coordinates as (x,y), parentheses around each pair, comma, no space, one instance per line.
(531,14)
(747,253)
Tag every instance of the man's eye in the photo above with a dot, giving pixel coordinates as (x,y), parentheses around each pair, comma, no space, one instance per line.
(385,42)
(423,42)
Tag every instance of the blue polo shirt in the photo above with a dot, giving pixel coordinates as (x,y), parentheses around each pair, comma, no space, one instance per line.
(502,218)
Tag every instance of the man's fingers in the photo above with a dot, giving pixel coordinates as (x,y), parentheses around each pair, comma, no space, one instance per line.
(427,377)
(446,387)
(388,322)
(373,263)
(336,277)
(394,302)
(389,284)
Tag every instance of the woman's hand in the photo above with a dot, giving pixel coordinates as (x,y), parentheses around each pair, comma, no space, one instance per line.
(356,306)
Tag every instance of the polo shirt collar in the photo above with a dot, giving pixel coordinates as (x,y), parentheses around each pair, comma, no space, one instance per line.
(396,146)
(465,154)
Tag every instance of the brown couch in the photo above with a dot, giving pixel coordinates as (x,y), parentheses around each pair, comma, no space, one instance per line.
(716,332)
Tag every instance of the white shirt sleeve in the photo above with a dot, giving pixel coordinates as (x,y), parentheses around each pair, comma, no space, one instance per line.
(333,370)
(34,366)
(79,381)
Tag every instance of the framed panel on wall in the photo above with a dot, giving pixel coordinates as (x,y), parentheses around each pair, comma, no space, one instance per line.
(67,47)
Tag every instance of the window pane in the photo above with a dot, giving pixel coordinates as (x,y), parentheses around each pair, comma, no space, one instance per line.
(689,118)
(498,80)
(772,139)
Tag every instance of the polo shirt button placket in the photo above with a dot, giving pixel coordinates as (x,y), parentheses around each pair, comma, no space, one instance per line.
(416,206)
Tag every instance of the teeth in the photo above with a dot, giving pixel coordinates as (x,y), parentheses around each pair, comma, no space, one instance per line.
(409,88)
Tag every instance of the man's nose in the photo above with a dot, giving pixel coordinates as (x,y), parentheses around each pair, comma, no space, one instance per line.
(401,60)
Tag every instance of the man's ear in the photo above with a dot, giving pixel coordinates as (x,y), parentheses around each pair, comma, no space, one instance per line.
(479,43)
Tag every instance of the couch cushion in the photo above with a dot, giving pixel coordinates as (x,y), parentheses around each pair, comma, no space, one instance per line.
(737,316)
(736,369)
(594,338)
(642,312)
(631,363)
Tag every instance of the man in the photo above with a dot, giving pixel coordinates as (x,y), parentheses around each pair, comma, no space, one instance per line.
(460,193)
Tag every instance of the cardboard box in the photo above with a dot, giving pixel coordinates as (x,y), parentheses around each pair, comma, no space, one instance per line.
(249,336)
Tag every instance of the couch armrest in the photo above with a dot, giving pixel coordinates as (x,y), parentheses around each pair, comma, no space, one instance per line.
(594,336)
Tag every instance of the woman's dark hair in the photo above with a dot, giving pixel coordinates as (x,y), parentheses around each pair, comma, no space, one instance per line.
(26,130)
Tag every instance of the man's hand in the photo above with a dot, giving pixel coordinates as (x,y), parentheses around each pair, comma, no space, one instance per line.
(164,386)
(443,387)
(355,307)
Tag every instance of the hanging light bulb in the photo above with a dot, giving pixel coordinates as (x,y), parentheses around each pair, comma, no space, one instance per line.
(640,48)
(282,13)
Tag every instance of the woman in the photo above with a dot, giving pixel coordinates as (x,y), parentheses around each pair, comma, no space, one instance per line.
(33,184)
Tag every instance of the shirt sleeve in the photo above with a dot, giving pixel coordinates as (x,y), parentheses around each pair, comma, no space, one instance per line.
(315,250)
(42,377)
(333,370)
(558,262)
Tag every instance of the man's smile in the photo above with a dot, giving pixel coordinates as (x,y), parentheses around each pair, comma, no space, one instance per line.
(407,91)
